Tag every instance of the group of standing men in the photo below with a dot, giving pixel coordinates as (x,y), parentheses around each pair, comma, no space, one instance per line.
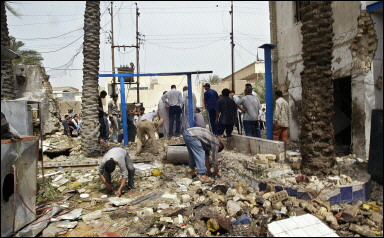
(173,109)
(223,113)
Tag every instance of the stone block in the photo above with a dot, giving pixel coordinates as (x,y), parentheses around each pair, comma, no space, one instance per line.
(278,197)
(92,216)
(185,198)
(233,207)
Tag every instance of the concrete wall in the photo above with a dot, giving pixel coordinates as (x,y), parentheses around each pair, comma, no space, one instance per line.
(351,57)
(254,146)
(35,86)
(289,61)
(377,18)
(18,116)
(26,167)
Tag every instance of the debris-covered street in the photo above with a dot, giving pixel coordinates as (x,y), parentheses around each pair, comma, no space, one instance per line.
(168,202)
(191,119)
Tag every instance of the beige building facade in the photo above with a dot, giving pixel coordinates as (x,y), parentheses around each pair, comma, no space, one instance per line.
(356,66)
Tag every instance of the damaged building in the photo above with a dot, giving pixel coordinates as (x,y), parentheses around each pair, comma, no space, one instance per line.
(356,69)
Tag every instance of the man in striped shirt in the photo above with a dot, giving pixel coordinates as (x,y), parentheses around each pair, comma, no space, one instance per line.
(200,142)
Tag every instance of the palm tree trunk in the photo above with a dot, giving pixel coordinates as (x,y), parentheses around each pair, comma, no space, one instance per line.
(7,79)
(316,137)
(91,52)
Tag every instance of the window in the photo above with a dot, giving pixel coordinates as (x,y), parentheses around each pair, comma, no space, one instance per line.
(297,6)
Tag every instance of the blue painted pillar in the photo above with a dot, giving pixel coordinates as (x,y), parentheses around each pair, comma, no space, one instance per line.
(190,102)
(124,111)
(268,88)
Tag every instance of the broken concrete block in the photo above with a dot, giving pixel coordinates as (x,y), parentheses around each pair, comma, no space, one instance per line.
(92,216)
(364,230)
(117,201)
(238,197)
(60,183)
(185,198)
(72,215)
(169,197)
(278,197)
(335,208)
(330,218)
(352,210)
(283,210)
(62,188)
(53,231)
(270,157)
(231,192)
(232,207)
(163,206)
(147,212)
(377,218)
(278,205)
(191,232)
(166,219)
(67,224)
(268,195)
(153,231)
(255,211)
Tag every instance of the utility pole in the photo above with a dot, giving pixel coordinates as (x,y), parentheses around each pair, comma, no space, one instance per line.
(233,47)
(113,52)
(137,52)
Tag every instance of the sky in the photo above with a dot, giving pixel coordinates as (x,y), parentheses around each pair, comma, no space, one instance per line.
(177,36)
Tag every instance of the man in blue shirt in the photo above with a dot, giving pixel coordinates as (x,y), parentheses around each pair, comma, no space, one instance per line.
(210,101)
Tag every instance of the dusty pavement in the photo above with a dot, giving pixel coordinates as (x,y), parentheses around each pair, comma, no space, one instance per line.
(231,206)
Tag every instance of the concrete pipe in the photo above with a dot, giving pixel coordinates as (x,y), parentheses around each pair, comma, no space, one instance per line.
(177,154)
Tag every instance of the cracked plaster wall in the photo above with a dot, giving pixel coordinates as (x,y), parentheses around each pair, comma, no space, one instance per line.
(352,57)
(36,87)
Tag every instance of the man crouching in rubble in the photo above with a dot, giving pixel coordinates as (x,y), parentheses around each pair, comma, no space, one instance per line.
(200,142)
(108,163)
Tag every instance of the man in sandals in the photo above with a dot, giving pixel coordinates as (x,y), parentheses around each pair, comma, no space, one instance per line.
(200,142)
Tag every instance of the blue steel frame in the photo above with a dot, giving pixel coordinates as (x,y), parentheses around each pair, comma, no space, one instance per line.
(268,88)
(122,93)
(374,6)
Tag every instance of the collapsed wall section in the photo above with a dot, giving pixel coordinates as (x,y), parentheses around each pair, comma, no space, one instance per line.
(363,48)
(33,85)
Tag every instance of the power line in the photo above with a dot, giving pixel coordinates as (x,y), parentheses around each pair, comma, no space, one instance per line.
(187,38)
(187,34)
(47,22)
(63,46)
(52,37)
(240,56)
(46,15)
(239,43)
(223,38)
(250,35)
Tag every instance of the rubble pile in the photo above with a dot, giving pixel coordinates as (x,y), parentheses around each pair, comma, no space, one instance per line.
(168,202)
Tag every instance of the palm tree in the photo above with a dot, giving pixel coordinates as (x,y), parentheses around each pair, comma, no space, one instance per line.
(8,81)
(27,57)
(317,135)
(260,86)
(213,79)
(91,52)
